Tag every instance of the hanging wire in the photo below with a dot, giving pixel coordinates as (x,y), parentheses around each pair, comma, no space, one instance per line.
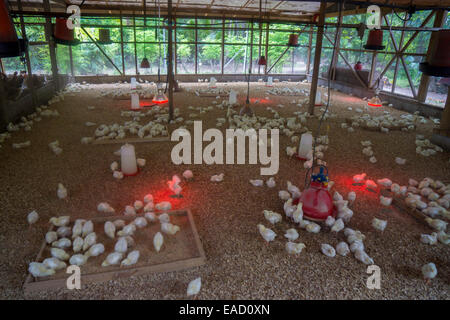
(311,170)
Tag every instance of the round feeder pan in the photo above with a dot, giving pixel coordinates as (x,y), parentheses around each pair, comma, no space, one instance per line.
(373,47)
(317,203)
(66,42)
(13,49)
(132,175)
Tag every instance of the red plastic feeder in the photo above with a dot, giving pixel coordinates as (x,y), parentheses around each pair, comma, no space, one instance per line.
(439,63)
(145,64)
(62,34)
(375,40)
(262,61)
(293,40)
(10,45)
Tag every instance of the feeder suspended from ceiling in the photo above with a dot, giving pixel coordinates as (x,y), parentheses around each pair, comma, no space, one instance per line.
(104,36)
(10,44)
(262,61)
(439,63)
(375,40)
(62,34)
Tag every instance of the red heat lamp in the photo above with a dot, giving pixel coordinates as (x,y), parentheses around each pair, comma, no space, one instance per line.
(439,63)
(10,45)
(374,102)
(160,97)
(62,34)
(316,199)
(358,66)
(262,61)
(375,40)
(145,64)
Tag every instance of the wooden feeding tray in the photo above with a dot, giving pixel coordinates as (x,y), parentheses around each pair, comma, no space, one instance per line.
(180,251)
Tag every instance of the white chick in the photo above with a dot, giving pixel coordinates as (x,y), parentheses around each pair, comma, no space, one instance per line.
(290,151)
(164,218)
(121,245)
(60,221)
(272,216)
(140,162)
(158,241)
(385,201)
(297,215)
(114,166)
(289,208)
(131,259)
(436,224)
(362,256)
(284,195)
(140,222)
(51,236)
(443,237)
(96,250)
(379,224)
(385,182)
(138,205)
(59,254)
(130,211)
(163,206)
(313,227)
(194,287)
(338,226)
(62,191)
(217,178)
(371,184)
(119,223)
(169,228)
(77,229)
(356,245)
(430,239)
(62,243)
(291,234)
(342,248)
(148,198)
(429,271)
(351,196)
(149,207)
(39,270)
(64,232)
(359,177)
(188,175)
(337,196)
(271,182)
(78,259)
(294,248)
(294,190)
(112,259)
(77,244)
(32,217)
(88,227)
(257,183)
(150,216)
(128,230)
(400,161)
(90,240)
(105,207)
(110,229)
(54,263)
(329,222)
(328,250)
(266,233)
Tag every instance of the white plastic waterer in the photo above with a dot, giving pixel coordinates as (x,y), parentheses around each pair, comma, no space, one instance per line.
(305,146)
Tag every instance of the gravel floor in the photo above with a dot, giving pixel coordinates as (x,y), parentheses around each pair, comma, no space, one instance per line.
(239,263)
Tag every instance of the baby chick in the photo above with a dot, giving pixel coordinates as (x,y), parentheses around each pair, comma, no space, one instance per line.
(328,250)
(89,241)
(379,224)
(338,225)
(169,228)
(257,182)
(51,236)
(77,244)
(436,224)
(297,215)
(59,254)
(78,259)
(110,229)
(342,248)
(40,270)
(291,234)
(385,201)
(429,271)
(54,263)
(60,221)
(158,241)
(121,245)
(62,191)
(272,216)
(266,233)
(313,227)
(96,250)
(194,287)
(131,259)
(32,217)
(429,238)
(271,182)
(112,259)
(294,248)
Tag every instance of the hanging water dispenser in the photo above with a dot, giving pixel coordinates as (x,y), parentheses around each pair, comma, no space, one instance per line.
(10,45)
(375,40)
(439,63)
(62,34)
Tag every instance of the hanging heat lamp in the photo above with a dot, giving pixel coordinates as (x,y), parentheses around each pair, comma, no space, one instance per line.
(439,63)
(293,40)
(374,102)
(316,199)
(375,40)
(358,66)
(160,97)
(104,36)
(10,45)
(62,34)
(145,64)
(262,61)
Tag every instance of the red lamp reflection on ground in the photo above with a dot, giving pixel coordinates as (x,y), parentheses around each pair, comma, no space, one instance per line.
(317,201)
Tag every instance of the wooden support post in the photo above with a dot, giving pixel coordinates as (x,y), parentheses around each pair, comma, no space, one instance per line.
(318,51)
(3,120)
(196,46)
(170,58)
(267,46)
(175,46)
(444,128)
(223,46)
(425,79)
(402,37)
(135,49)
(30,83)
(121,44)
(337,46)
(2,68)
(51,44)
(373,66)
(308,58)
(251,49)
